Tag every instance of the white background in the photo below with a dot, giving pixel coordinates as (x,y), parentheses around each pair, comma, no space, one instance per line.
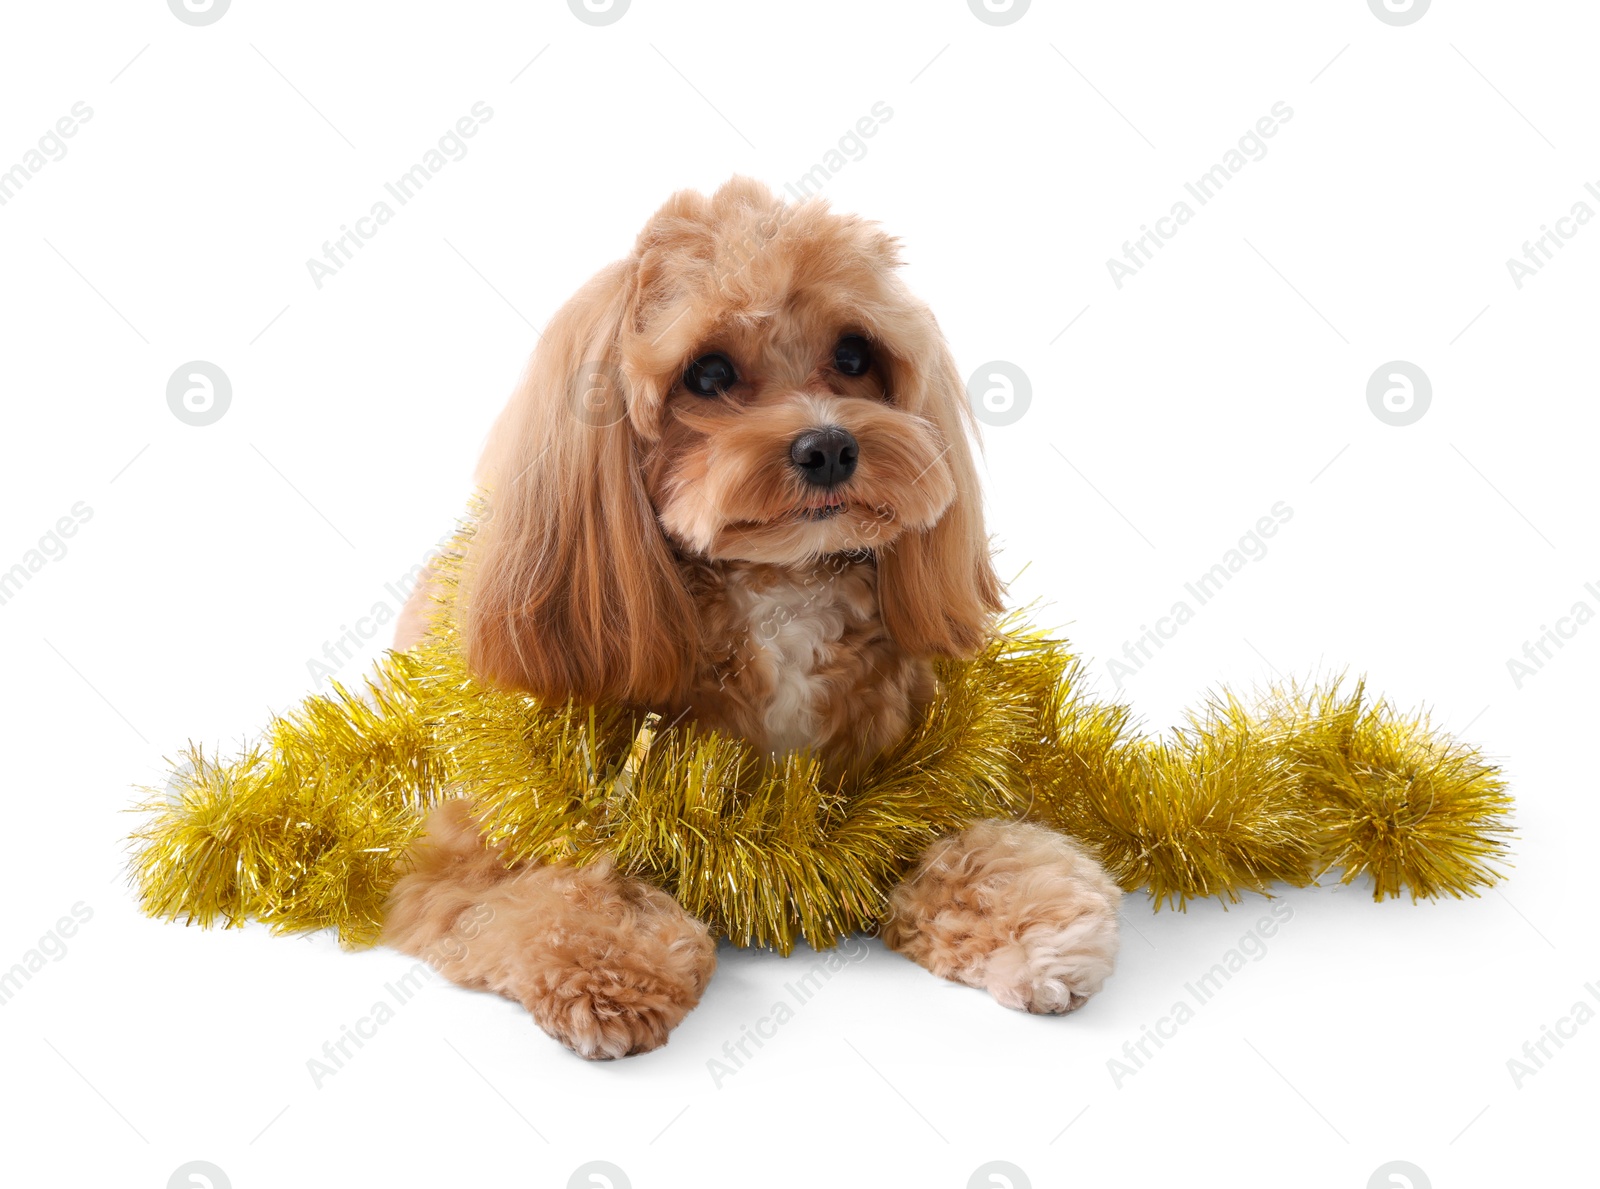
(1228,375)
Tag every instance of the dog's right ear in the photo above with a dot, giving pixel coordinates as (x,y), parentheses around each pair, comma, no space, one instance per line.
(570,589)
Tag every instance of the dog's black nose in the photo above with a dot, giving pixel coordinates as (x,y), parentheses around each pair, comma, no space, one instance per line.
(825,457)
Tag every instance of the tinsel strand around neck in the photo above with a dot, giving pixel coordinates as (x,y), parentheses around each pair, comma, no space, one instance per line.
(308,829)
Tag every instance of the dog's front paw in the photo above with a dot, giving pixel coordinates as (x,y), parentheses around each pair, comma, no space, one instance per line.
(1055,967)
(616,973)
(1013,908)
(614,1006)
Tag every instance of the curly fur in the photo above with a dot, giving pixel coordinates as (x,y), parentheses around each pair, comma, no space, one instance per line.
(1013,908)
(648,545)
(605,964)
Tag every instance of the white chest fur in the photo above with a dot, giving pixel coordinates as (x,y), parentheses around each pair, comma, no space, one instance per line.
(794,628)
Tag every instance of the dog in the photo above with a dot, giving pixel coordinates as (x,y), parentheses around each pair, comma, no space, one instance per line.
(735,487)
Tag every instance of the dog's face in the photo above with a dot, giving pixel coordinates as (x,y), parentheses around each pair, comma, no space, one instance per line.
(782,432)
(753,383)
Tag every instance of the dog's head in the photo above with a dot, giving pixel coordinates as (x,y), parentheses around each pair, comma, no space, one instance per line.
(753,383)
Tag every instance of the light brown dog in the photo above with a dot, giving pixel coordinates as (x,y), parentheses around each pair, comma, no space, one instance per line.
(735,486)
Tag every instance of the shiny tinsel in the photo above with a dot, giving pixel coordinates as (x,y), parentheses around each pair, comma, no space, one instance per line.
(307,829)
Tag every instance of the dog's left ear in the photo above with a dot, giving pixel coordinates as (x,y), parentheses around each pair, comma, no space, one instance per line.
(937,587)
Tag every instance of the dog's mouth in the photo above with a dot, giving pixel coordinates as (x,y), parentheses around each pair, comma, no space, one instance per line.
(810,526)
(825,509)
(816,511)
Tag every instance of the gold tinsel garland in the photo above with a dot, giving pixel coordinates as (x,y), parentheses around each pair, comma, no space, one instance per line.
(306,829)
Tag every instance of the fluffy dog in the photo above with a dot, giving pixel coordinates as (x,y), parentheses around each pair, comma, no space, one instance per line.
(735,487)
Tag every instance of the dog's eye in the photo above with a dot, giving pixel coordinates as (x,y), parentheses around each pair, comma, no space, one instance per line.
(710,375)
(853,356)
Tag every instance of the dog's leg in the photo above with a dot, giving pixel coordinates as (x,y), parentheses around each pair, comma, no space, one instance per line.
(1016,909)
(606,964)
